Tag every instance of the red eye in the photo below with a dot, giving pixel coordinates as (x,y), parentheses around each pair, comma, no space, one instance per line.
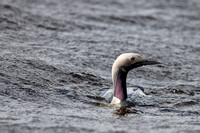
(132,58)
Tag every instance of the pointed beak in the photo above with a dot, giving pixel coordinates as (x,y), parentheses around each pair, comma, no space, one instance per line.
(145,62)
(141,63)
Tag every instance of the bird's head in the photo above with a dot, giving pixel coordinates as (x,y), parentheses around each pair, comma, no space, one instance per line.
(122,65)
(128,61)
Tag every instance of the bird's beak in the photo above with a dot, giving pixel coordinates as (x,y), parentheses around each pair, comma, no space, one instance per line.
(141,63)
(145,62)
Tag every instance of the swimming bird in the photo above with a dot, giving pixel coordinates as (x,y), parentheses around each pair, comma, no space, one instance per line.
(121,66)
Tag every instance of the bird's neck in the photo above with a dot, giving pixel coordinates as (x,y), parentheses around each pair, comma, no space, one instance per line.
(120,91)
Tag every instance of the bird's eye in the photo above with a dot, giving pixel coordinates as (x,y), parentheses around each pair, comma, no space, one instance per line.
(132,58)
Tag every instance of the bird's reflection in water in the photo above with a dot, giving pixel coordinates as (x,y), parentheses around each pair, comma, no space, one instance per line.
(123,111)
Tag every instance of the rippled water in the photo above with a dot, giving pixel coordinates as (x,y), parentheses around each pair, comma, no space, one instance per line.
(56,58)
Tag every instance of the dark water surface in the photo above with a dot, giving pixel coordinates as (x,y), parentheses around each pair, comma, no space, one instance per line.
(56,58)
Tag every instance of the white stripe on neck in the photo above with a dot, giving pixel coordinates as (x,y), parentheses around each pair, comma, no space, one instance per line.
(115,100)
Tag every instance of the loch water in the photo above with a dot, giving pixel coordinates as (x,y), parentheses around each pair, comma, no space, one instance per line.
(56,59)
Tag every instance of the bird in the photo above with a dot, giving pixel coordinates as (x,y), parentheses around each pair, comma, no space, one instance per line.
(120,68)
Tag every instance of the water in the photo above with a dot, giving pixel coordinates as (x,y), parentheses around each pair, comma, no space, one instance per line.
(56,59)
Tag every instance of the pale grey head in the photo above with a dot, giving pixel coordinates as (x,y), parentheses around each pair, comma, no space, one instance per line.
(122,65)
